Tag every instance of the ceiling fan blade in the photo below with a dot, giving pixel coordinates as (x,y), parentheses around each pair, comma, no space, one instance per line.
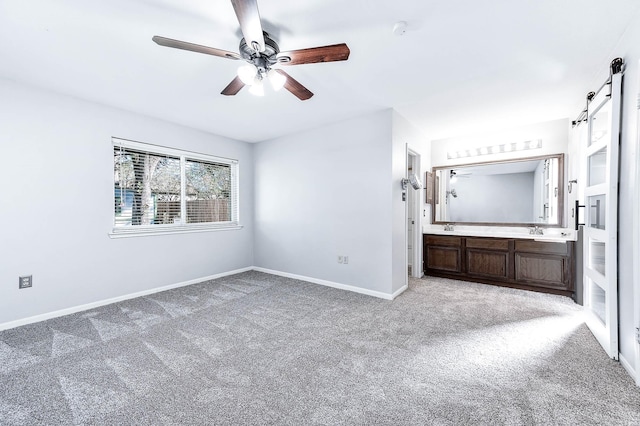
(334,52)
(177,44)
(249,19)
(294,87)
(234,87)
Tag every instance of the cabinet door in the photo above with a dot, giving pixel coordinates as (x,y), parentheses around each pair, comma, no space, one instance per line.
(446,259)
(543,270)
(489,264)
(488,258)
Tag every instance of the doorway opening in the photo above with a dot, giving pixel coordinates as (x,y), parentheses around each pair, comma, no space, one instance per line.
(413,222)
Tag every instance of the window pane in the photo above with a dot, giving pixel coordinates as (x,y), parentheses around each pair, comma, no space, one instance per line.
(597,256)
(597,301)
(599,124)
(597,167)
(208,192)
(146,188)
(596,206)
(169,188)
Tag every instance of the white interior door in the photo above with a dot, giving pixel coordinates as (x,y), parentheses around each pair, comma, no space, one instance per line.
(601,216)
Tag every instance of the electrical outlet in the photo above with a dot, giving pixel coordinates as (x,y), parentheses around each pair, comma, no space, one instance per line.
(345,260)
(25,281)
(340,259)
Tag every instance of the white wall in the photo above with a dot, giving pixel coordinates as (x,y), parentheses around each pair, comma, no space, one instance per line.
(323,193)
(406,135)
(57,204)
(554,135)
(575,170)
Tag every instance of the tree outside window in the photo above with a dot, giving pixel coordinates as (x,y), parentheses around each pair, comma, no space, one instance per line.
(159,189)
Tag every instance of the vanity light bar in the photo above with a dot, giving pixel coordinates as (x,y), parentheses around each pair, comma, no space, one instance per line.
(495,149)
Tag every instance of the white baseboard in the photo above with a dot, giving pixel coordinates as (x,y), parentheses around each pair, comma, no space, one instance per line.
(347,287)
(92,305)
(74,309)
(399,291)
(627,366)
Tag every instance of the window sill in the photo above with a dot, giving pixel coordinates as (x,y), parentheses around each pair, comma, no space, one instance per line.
(167,230)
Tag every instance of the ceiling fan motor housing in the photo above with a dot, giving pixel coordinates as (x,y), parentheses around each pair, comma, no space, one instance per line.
(262,60)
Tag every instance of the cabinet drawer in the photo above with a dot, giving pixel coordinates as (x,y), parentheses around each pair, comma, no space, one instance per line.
(488,243)
(437,240)
(530,246)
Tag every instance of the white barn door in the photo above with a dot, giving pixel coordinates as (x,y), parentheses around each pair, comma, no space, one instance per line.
(601,215)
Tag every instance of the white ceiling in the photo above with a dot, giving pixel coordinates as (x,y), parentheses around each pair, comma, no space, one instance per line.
(463,65)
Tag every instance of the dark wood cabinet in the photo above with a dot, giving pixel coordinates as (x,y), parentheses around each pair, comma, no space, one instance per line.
(519,263)
(487,257)
(544,264)
(444,254)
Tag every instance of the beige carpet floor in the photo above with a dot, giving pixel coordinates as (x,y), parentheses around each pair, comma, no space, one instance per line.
(260,349)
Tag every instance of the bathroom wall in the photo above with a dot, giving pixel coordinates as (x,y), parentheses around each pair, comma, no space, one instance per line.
(554,135)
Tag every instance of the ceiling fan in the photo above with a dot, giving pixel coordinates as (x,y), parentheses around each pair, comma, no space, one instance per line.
(262,53)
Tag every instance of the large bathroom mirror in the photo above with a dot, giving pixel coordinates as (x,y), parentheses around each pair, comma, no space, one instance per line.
(527,191)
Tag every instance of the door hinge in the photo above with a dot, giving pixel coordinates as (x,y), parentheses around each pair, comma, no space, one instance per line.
(638,334)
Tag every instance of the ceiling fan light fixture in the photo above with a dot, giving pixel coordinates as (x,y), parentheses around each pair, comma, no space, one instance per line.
(276,79)
(247,73)
(257,88)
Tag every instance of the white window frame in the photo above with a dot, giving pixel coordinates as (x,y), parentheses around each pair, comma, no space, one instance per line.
(163,229)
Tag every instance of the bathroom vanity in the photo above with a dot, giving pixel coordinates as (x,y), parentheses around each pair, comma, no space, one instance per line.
(507,217)
(530,262)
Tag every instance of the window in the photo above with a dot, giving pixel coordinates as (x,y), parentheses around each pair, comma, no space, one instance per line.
(163,190)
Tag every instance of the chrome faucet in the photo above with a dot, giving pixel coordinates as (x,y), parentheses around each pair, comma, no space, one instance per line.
(448,227)
(536,230)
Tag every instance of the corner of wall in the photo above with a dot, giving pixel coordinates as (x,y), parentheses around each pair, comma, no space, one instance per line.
(333,175)
(404,136)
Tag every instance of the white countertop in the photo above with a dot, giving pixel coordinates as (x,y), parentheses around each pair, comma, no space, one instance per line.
(561,235)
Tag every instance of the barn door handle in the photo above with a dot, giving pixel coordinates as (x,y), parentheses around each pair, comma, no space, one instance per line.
(578,207)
